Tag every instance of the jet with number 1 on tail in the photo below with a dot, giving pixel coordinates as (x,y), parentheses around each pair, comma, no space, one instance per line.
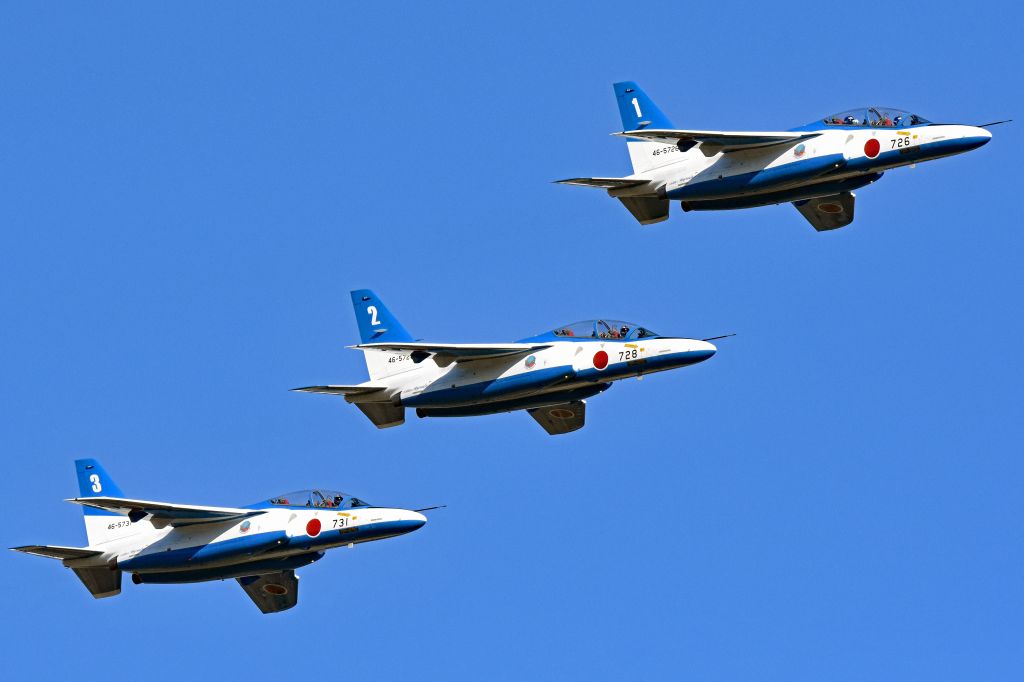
(549,375)
(259,545)
(815,167)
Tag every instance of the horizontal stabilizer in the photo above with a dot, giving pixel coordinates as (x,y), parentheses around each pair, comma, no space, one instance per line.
(828,213)
(341,390)
(459,352)
(715,141)
(604,183)
(57,551)
(165,512)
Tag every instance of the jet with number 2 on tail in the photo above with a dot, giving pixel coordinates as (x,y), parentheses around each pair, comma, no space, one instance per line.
(259,545)
(549,375)
(815,167)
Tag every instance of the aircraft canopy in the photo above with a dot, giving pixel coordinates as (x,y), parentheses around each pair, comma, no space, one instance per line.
(603,329)
(878,117)
(320,497)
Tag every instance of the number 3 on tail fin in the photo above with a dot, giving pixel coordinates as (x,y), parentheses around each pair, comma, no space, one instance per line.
(372,310)
(97,487)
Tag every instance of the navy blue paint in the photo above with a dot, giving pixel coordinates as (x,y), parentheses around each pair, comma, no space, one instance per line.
(252,568)
(84,468)
(515,404)
(536,379)
(387,329)
(652,116)
(801,193)
(713,187)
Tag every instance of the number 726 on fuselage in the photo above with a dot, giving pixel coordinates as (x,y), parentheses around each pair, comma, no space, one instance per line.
(816,166)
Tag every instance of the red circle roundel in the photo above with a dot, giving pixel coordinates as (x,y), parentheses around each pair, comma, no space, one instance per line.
(872,147)
(600,359)
(313,528)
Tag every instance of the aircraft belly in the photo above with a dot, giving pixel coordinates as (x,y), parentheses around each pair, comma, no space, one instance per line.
(843,183)
(489,390)
(760,180)
(234,570)
(167,557)
(576,391)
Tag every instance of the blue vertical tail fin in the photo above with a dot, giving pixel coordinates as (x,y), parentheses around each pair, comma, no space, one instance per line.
(376,323)
(94,481)
(637,110)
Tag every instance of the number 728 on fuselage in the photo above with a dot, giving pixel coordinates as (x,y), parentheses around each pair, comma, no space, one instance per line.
(549,375)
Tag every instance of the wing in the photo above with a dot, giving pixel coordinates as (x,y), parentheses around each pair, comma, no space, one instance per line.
(828,213)
(57,551)
(165,512)
(603,183)
(561,418)
(341,390)
(715,141)
(458,352)
(272,592)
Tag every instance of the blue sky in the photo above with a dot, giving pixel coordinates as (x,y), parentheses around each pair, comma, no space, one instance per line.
(189,193)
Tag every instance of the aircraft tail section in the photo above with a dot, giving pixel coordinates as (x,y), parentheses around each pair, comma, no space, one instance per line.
(638,111)
(378,325)
(101,525)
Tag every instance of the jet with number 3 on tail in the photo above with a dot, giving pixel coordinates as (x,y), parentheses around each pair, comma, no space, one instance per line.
(815,167)
(259,545)
(549,375)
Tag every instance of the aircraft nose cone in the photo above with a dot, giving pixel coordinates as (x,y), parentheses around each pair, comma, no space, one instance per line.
(413,521)
(704,350)
(976,137)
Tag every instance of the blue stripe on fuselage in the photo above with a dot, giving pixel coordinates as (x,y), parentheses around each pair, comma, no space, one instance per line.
(244,548)
(757,180)
(486,390)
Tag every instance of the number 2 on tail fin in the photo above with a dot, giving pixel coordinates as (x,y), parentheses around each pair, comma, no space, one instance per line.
(372,310)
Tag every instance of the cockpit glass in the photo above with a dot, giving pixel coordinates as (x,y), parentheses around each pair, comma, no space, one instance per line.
(318,497)
(603,329)
(878,117)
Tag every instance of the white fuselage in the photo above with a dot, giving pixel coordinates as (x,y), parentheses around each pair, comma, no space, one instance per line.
(276,532)
(833,155)
(563,366)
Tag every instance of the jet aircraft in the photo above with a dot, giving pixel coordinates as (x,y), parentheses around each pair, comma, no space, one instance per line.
(259,545)
(549,375)
(816,166)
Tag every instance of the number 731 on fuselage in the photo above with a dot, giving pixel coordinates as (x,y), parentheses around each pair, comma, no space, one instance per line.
(549,375)
(816,166)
